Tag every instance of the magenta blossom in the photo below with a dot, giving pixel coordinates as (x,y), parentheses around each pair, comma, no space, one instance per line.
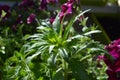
(113,66)
(66,9)
(31,18)
(52,19)
(43,5)
(113,69)
(114,49)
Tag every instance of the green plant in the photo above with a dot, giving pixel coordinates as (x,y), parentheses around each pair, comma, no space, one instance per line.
(58,52)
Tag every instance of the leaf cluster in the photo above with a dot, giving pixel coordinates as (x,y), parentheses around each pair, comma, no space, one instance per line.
(57,52)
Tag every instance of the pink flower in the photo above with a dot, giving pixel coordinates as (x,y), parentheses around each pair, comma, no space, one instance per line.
(111,74)
(113,70)
(66,9)
(43,5)
(31,18)
(113,66)
(52,19)
(114,49)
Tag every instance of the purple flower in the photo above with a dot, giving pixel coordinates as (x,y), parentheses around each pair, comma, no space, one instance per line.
(111,74)
(52,19)
(31,18)
(43,5)
(71,1)
(113,69)
(113,66)
(66,9)
(114,49)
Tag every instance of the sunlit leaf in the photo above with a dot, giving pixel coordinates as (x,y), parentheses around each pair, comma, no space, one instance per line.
(51,48)
(3,13)
(64,53)
(92,32)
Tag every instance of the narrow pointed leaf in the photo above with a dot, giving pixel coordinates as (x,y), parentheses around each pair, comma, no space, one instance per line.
(92,32)
(64,54)
(51,48)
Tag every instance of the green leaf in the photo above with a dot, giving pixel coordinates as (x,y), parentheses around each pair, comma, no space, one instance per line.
(56,23)
(85,29)
(91,32)
(78,70)
(16,73)
(40,78)
(64,53)
(67,29)
(83,23)
(81,48)
(85,57)
(3,14)
(52,60)
(74,37)
(38,52)
(34,37)
(58,75)
(51,48)
(81,13)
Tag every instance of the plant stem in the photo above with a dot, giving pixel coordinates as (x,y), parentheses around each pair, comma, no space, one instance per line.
(50,74)
(65,70)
